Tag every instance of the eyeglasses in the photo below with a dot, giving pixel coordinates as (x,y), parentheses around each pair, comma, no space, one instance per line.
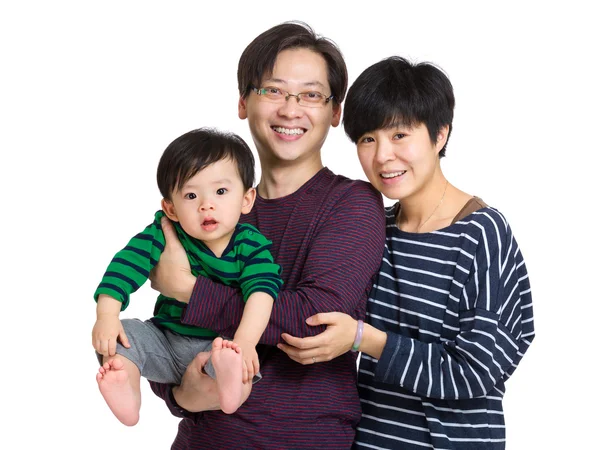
(274,94)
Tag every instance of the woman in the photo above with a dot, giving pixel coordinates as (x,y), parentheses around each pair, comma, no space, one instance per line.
(450,314)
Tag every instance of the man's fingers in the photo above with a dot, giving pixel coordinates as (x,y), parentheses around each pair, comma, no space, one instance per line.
(169,231)
(202,358)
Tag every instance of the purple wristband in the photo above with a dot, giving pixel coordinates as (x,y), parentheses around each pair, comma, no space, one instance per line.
(359,334)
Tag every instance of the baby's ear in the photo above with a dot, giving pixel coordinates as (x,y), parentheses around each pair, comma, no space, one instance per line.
(169,208)
(248,200)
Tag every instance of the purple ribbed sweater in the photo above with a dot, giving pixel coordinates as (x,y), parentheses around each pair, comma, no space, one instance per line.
(328,237)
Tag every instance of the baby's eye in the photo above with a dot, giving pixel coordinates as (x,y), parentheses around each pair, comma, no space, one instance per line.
(221,191)
(190,196)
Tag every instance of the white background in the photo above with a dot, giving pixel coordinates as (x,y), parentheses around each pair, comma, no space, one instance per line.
(91,93)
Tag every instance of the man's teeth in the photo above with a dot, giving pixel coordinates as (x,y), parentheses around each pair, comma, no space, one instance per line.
(393,174)
(289,130)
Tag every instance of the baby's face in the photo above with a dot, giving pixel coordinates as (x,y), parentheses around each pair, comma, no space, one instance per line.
(209,205)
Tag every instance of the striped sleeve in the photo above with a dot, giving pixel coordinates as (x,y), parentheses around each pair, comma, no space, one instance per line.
(260,273)
(496,326)
(129,269)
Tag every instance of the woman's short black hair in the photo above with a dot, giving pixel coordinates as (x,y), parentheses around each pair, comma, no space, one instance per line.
(395,91)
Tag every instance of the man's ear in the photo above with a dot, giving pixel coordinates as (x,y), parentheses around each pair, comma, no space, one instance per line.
(248,200)
(169,208)
(337,115)
(442,138)
(242,113)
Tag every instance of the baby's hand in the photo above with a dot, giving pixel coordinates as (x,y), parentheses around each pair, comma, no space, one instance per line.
(107,330)
(250,357)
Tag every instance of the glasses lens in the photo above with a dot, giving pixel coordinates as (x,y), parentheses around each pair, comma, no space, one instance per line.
(312,98)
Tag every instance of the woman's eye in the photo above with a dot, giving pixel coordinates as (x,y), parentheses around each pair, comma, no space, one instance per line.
(399,135)
(190,196)
(366,140)
(221,191)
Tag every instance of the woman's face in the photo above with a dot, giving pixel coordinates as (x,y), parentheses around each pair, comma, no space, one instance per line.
(399,161)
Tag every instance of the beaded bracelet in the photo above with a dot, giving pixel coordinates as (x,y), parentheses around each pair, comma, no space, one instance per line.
(359,335)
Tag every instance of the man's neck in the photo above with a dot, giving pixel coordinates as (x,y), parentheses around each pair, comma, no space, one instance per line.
(277,182)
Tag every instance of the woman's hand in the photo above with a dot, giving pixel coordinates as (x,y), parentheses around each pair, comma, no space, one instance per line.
(172,276)
(336,340)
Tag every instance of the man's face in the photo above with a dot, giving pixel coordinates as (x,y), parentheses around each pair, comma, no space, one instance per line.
(286,131)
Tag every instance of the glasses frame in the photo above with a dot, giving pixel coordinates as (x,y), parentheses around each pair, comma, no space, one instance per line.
(258,90)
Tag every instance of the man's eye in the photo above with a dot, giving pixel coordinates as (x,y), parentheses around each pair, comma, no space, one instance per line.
(315,95)
(221,191)
(366,140)
(399,135)
(272,91)
(190,196)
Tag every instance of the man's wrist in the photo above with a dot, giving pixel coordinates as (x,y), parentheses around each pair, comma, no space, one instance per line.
(188,284)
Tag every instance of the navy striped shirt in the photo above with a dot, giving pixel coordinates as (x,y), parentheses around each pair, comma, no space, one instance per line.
(328,237)
(456,306)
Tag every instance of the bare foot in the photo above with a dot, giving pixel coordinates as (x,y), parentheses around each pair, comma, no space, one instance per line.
(116,387)
(228,363)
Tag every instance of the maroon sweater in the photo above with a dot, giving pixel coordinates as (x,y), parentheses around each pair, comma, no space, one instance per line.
(328,237)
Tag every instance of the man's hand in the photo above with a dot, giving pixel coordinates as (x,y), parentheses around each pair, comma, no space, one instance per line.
(172,276)
(197,391)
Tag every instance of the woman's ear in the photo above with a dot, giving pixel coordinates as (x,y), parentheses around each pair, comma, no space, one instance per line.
(442,138)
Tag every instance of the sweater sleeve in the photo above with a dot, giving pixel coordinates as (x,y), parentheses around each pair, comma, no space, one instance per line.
(343,258)
(496,328)
(129,269)
(165,391)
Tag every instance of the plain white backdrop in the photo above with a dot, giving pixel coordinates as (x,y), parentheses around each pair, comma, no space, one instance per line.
(91,93)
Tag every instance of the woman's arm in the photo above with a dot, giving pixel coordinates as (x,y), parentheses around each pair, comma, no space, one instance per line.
(337,339)
(496,330)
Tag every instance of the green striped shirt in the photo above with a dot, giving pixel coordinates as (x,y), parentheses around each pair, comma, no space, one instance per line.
(246,263)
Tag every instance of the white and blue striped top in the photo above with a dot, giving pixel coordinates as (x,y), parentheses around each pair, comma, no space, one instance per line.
(456,306)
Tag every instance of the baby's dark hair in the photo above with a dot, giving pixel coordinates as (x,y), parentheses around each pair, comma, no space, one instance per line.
(193,151)
(395,91)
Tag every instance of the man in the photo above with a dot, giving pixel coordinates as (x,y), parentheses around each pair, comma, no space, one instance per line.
(328,237)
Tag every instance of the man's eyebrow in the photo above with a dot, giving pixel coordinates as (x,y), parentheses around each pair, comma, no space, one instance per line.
(307,84)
